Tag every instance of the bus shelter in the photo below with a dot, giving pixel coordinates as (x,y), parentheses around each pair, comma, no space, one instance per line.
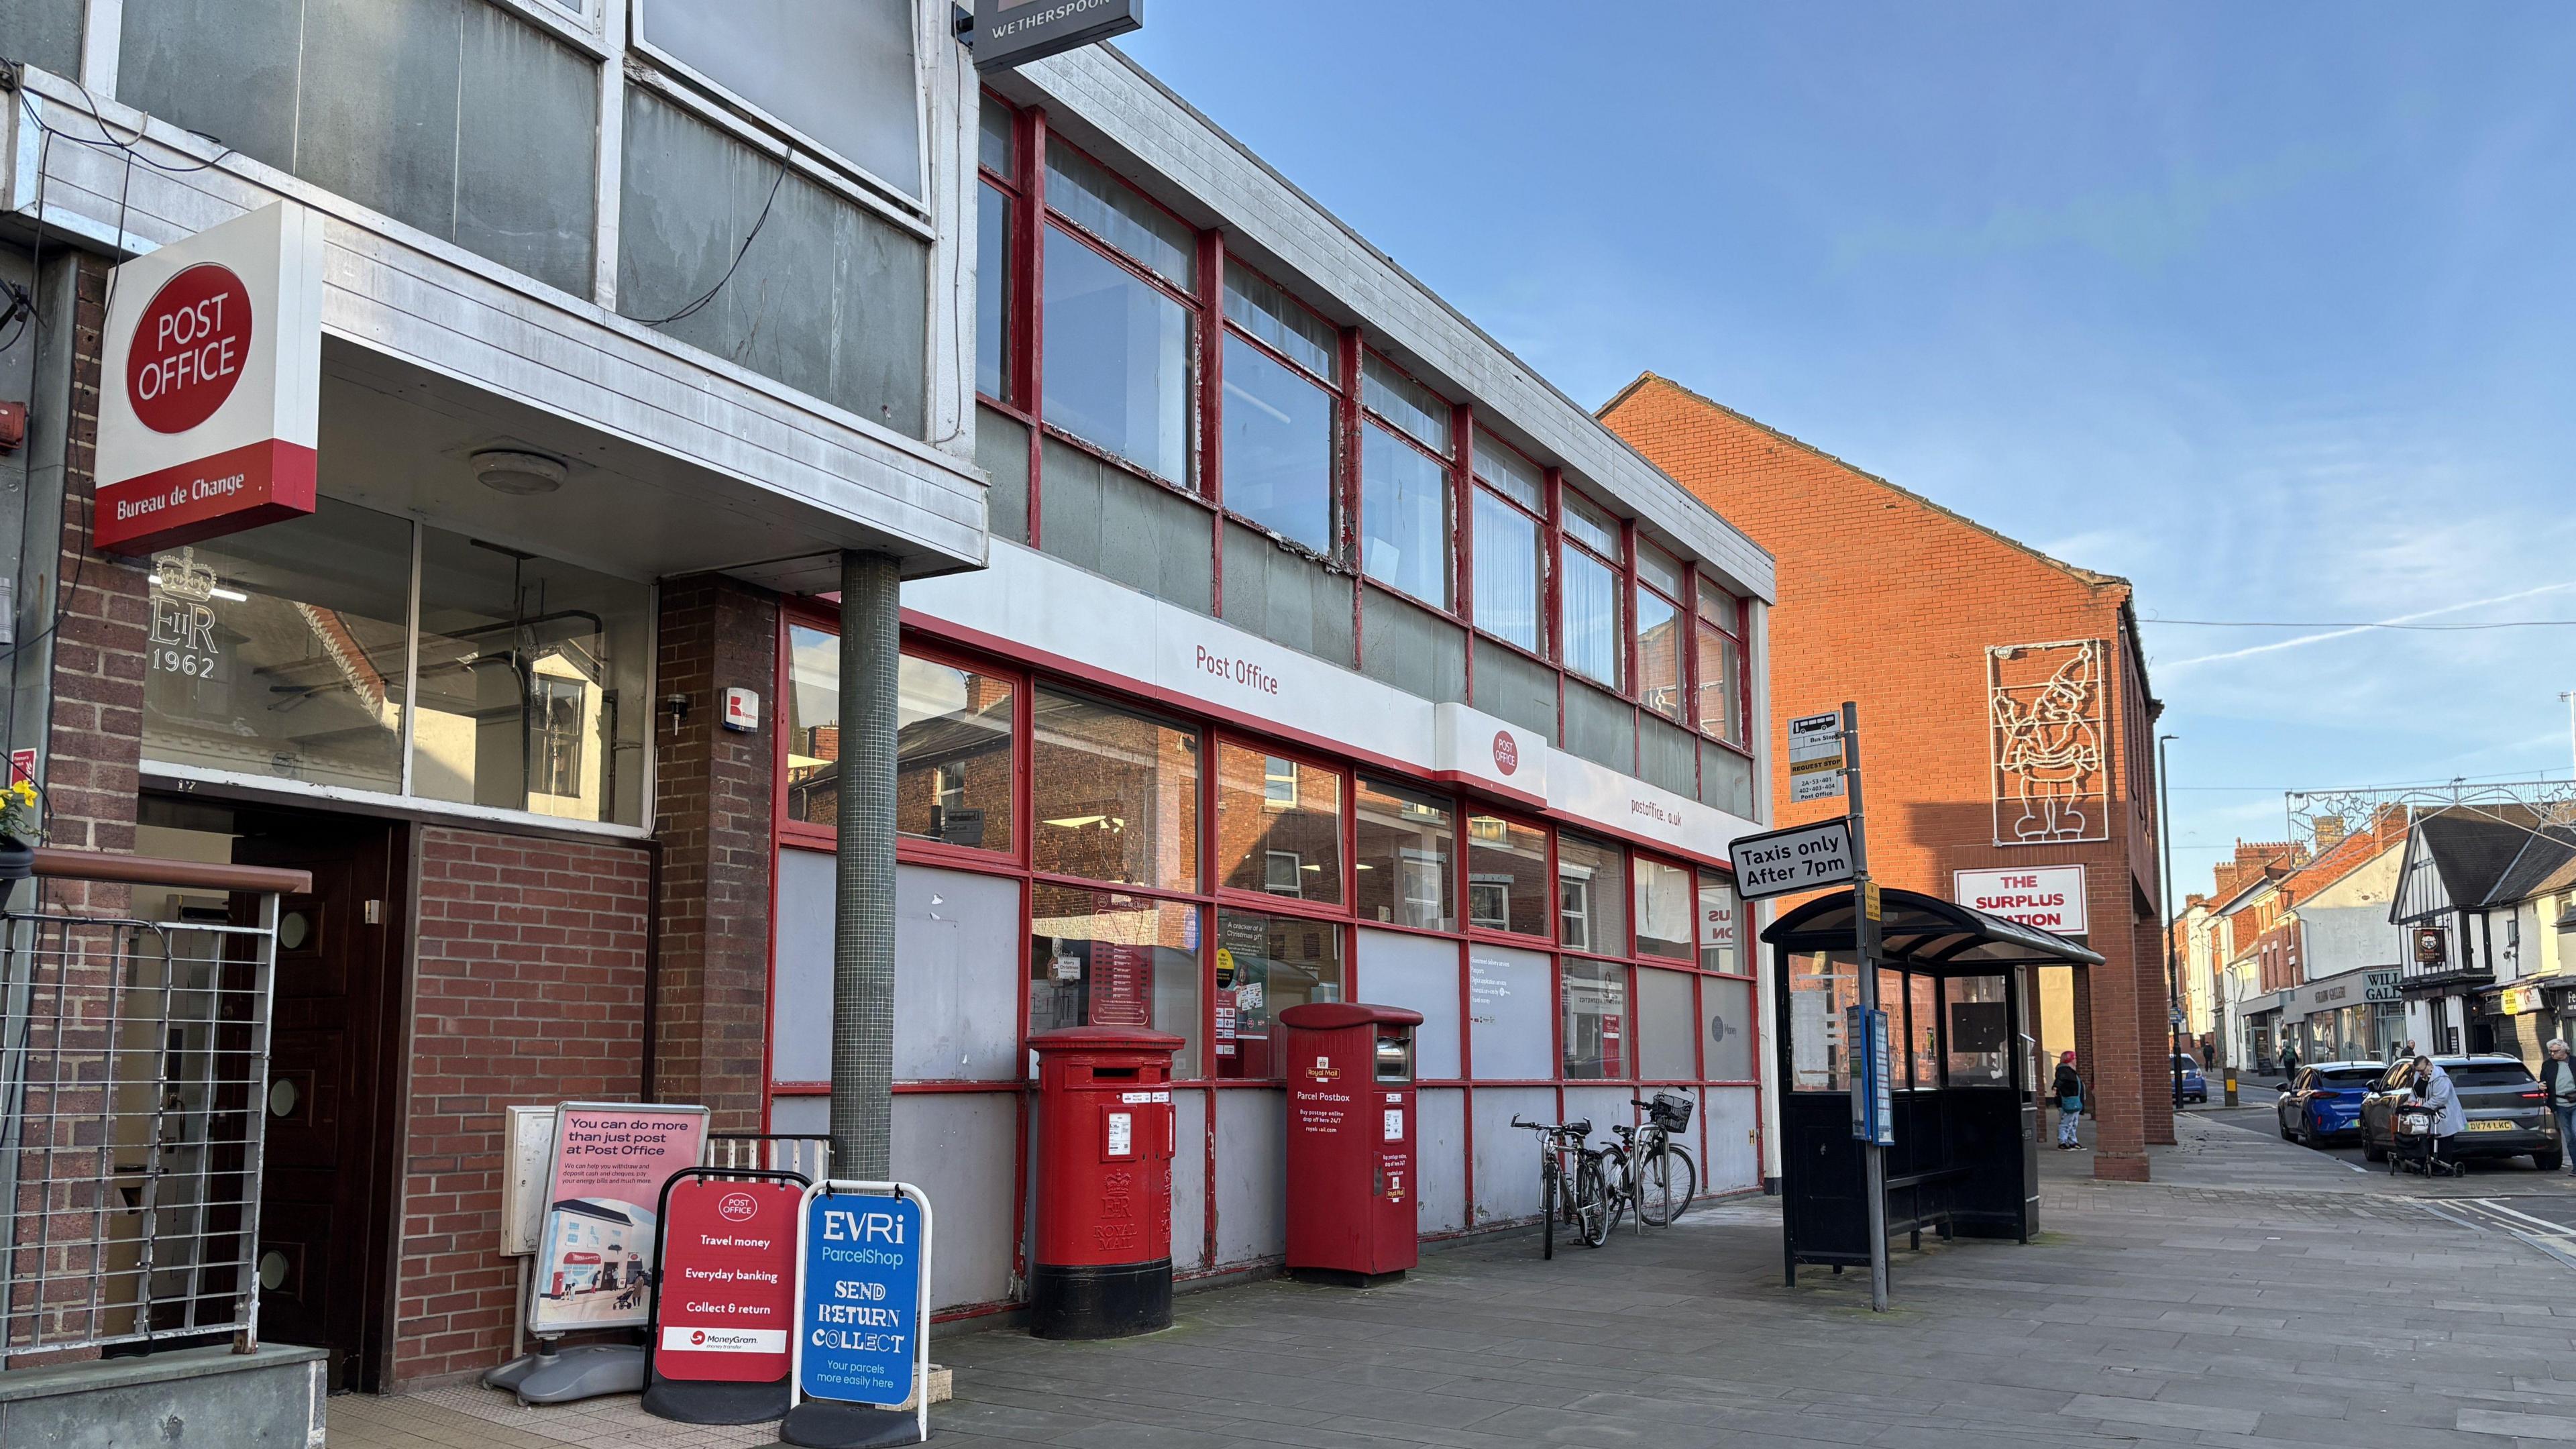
(1956,985)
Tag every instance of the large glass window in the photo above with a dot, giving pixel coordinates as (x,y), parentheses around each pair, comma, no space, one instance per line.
(1283,325)
(280,651)
(1099,958)
(1407,849)
(1404,517)
(1511,574)
(1821,986)
(1105,207)
(1721,664)
(1264,965)
(1659,656)
(1596,1020)
(1922,1029)
(1664,909)
(1980,1025)
(526,664)
(1717,923)
(1278,825)
(993,293)
(1591,896)
(952,754)
(1278,446)
(1115,794)
(1506,876)
(839,72)
(1592,633)
(1117,359)
(1405,403)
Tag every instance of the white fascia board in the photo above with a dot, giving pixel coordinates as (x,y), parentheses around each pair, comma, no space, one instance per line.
(1105,103)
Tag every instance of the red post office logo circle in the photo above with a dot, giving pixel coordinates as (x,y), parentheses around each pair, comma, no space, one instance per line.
(737,1207)
(1507,752)
(189,348)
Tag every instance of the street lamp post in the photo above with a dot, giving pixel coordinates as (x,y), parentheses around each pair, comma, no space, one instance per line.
(2173,975)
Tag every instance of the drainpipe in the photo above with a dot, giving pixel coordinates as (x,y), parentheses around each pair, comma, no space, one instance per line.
(863,883)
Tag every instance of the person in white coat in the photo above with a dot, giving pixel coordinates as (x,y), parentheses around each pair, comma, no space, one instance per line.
(2442,1099)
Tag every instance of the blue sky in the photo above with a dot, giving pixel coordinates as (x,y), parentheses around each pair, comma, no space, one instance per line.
(2271,309)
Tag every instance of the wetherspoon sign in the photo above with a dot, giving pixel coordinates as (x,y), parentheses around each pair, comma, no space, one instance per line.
(211,383)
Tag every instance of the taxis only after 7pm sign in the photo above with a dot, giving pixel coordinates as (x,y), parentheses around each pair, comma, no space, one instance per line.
(1801,858)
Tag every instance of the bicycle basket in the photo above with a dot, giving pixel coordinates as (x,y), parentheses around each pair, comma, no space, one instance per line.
(1669,1112)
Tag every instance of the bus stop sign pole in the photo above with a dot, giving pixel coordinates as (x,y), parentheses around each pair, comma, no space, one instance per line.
(1868,1061)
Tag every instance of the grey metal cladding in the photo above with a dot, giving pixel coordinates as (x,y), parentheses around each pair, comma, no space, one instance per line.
(1104,101)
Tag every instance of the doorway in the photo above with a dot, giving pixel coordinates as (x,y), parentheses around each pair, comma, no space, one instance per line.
(327,1186)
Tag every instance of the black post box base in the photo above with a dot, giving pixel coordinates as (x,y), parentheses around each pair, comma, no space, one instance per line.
(1098,1302)
(1346,1277)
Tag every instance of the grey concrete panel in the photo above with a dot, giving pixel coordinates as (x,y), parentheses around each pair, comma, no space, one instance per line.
(1732,1161)
(800,1005)
(1667,754)
(1507,1157)
(526,150)
(1517,688)
(1421,972)
(956,1146)
(1511,1006)
(1189,1180)
(1286,597)
(1600,727)
(224,67)
(1666,1022)
(1726,780)
(958,957)
(271,1400)
(1411,648)
(1251,1176)
(1440,1158)
(44,33)
(1002,450)
(1116,524)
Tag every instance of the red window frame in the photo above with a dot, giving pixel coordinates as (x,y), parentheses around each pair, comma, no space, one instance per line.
(1454,608)
(1622,631)
(1546,550)
(1344,507)
(1700,584)
(1683,644)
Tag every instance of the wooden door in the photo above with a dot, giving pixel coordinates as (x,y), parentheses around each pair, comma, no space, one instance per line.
(326,1190)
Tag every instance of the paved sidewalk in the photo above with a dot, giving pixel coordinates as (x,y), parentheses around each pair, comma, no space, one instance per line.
(2255,1293)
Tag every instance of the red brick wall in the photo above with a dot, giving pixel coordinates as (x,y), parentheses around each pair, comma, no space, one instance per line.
(1890,601)
(714,789)
(528,986)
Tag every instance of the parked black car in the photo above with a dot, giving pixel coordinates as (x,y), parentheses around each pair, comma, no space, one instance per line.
(2508,1115)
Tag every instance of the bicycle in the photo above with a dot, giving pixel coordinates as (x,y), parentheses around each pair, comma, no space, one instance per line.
(1584,1201)
(1665,1178)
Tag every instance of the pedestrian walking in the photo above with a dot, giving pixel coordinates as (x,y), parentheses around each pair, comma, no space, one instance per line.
(2441,1101)
(2558,1080)
(2289,1061)
(2068,1089)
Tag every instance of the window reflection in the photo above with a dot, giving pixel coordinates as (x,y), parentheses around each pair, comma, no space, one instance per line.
(1117,360)
(1596,1020)
(1278,447)
(1278,825)
(1664,909)
(1098,958)
(280,651)
(1404,517)
(1264,965)
(1591,896)
(1507,885)
(1115,794)
(953,735)
(1407,846)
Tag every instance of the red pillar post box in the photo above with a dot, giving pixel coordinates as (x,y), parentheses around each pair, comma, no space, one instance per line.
(1103,1266)
(1353,1201)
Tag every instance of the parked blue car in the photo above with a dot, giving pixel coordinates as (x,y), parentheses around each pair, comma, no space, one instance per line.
(2323,1102)
(2195,1087)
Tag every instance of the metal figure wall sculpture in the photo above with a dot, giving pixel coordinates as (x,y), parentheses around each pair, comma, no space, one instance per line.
(2045,702)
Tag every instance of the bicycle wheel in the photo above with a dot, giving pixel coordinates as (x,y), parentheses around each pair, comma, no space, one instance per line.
(1547,1195)
(1591,1203)
(1618,1182)
(1665,1185)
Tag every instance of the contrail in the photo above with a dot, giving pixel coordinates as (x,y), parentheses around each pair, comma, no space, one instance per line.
(2361,628)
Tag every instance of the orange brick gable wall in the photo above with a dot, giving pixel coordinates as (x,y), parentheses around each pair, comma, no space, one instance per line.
(1890,602)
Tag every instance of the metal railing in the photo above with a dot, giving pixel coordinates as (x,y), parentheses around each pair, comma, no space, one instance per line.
(770,1151)
(133,1100)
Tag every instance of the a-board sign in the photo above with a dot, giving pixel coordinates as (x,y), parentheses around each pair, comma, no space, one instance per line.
(862,1294)
(595,1264)
(1801,858)
(728,1287)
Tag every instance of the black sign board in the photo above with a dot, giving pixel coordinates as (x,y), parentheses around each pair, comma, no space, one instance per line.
(1014,32)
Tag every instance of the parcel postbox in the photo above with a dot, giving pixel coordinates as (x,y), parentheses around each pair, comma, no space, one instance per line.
(1103,1266)
(1353,1202)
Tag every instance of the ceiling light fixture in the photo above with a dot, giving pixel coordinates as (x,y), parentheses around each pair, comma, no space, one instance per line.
(506,471)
